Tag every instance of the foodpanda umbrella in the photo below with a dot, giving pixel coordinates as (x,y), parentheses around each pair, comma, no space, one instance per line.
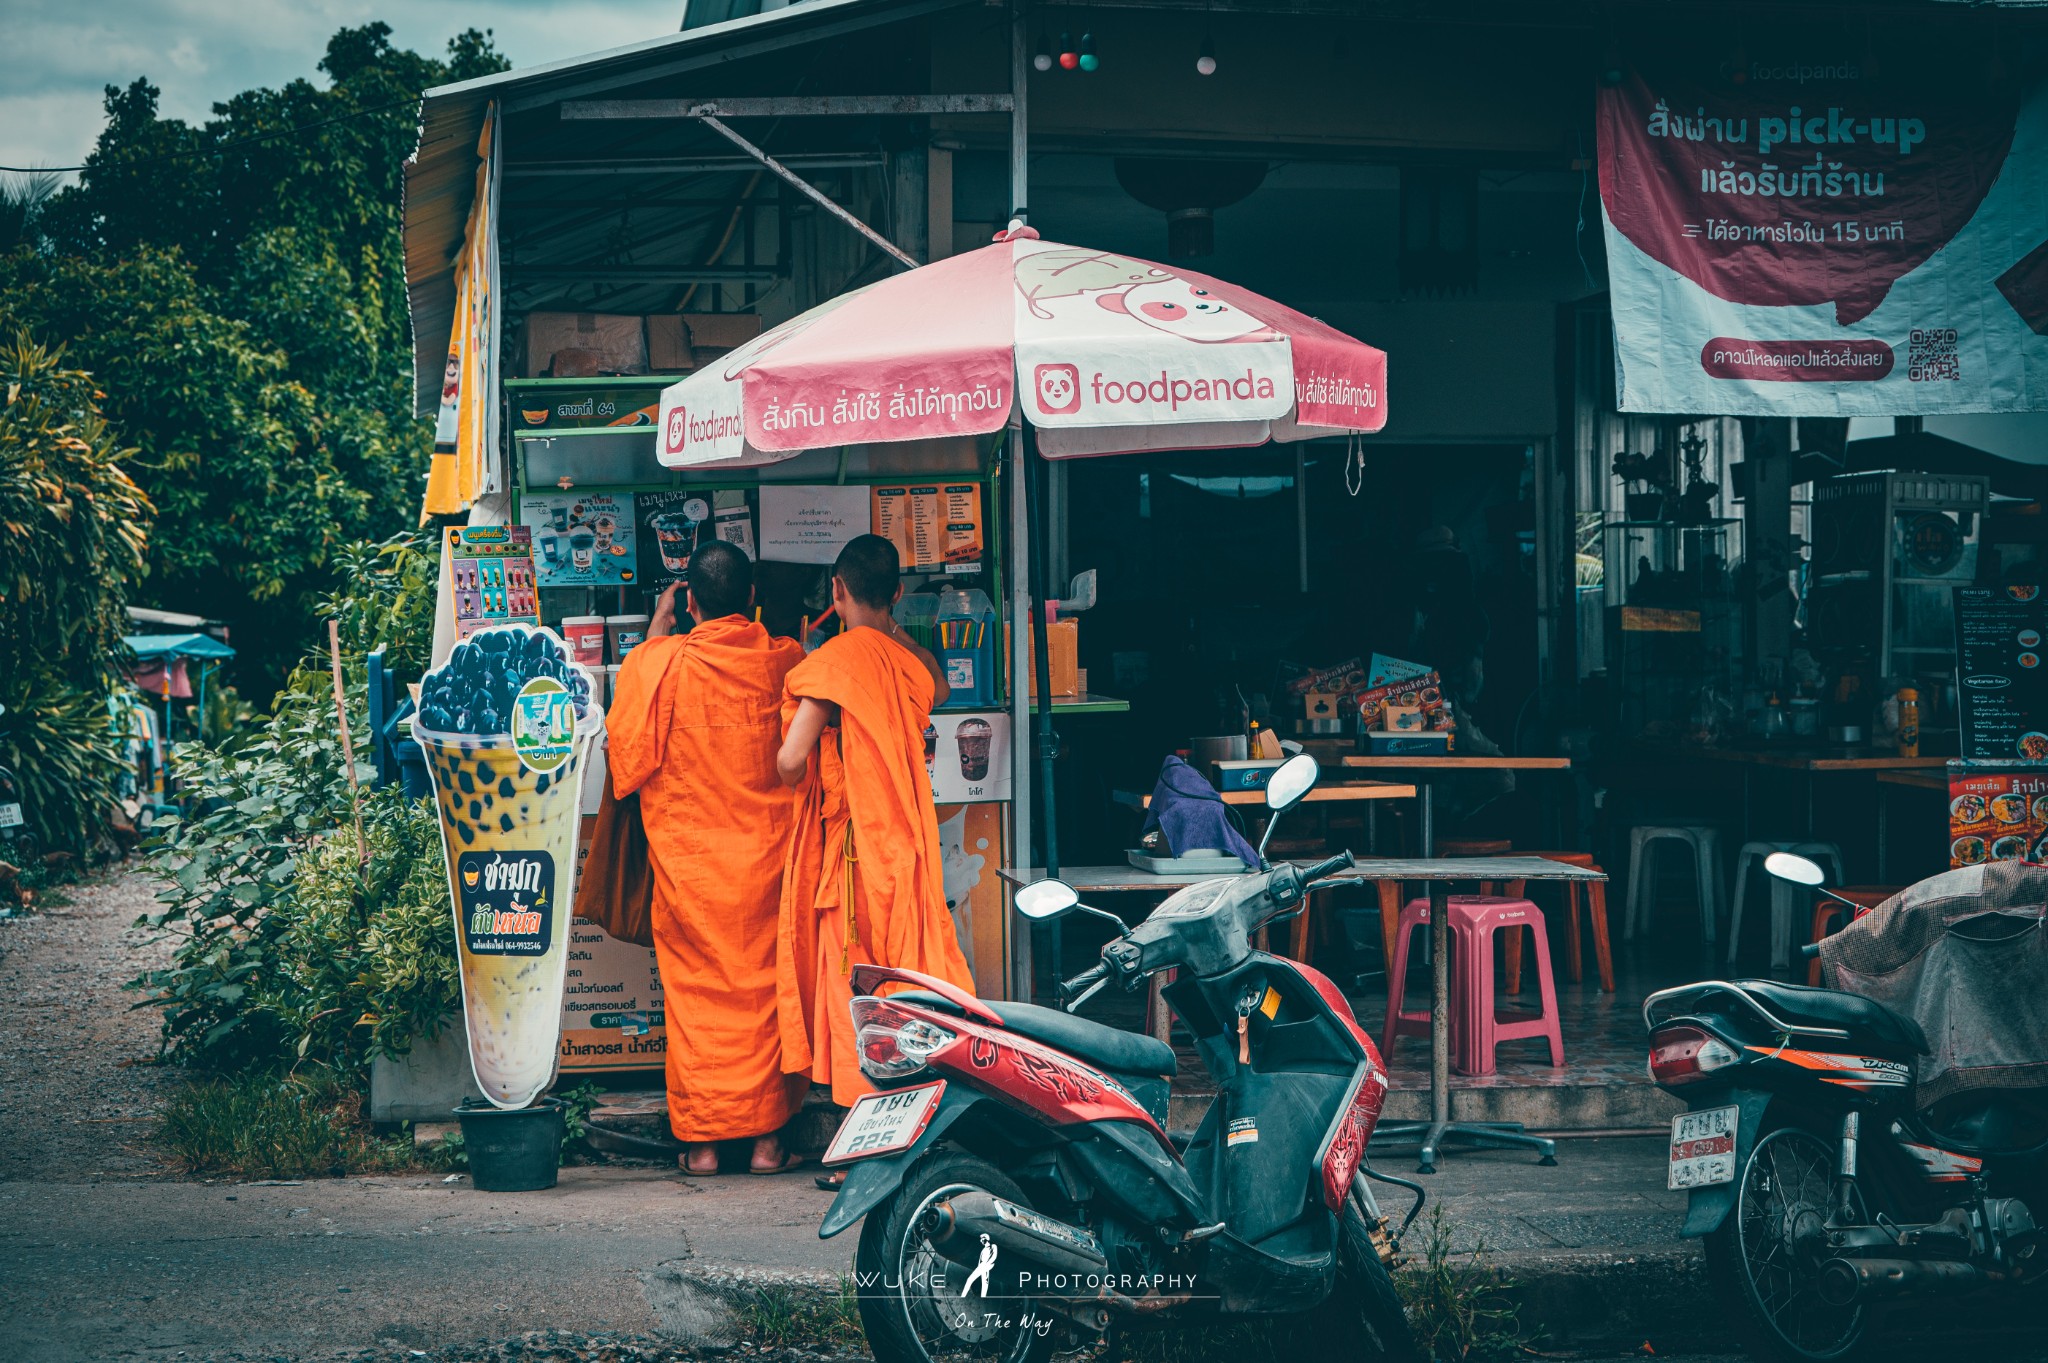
(1088,351)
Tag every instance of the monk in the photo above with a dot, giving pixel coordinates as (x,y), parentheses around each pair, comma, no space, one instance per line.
(694,727)
(863,881)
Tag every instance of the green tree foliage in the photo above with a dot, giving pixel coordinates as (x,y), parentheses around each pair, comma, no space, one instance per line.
(238,289)
(73,532)
(289,950)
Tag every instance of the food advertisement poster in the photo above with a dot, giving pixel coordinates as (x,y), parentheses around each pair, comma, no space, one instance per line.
(1818,233)
(934,526)
(491,569)
(672,524)
(1997,811)
(970,851)
(612,1015)
(967,755)
(507,725)
(2003,690)
(581,539)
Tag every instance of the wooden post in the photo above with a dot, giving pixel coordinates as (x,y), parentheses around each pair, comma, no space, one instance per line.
(348,747)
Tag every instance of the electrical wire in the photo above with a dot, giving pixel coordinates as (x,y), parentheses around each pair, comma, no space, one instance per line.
(230,146)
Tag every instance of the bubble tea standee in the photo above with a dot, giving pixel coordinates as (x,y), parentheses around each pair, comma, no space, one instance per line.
(506,724)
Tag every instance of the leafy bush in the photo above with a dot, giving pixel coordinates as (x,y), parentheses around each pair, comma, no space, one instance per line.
(290,952)
(73,530)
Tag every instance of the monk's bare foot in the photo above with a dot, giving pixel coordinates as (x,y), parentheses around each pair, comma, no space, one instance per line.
(699,1160)
(770,1158)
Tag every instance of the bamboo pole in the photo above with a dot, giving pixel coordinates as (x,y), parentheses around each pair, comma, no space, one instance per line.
(348,747)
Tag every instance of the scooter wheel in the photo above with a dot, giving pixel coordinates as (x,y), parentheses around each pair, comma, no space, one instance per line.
(1362,1319)
(916,1306)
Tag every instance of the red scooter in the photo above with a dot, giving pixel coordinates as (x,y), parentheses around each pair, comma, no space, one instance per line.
(1021,1192)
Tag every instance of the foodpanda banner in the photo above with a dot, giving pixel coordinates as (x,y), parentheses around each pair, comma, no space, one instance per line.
(1806,239)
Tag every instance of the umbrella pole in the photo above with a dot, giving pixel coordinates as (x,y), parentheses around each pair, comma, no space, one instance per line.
(1031,467)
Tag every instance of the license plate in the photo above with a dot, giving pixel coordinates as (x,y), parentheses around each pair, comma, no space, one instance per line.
(10,816)
(883,1123)
(1702,1148)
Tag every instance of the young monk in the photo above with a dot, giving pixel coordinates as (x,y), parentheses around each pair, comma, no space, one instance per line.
(694,727)
(863,881)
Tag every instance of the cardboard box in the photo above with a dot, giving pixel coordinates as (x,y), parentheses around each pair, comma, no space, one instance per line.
(680,341)
(1321,705)
(1063,648)
(612,343)
(1249,775)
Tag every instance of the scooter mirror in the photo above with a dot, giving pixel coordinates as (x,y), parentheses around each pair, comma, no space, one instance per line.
(1293,780)
(1046,899)
(1798,870)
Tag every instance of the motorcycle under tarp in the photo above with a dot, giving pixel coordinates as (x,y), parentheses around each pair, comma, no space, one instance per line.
(1965,954)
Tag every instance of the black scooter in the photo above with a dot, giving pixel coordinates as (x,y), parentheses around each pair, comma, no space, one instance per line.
(1821,1191)
(1020,1190)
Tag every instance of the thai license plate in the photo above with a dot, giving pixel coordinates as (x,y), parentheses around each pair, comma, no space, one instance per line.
(883,1123)
(1702,1148)
(10,816)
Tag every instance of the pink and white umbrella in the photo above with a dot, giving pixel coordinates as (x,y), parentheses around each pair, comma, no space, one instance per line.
(1105,354)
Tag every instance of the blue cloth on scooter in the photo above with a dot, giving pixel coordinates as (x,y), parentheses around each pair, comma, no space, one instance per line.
(1192,817)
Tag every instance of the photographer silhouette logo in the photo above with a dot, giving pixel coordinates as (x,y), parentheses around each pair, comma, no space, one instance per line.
(983,1266)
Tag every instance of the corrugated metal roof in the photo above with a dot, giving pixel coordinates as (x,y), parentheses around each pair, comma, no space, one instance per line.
(440,177)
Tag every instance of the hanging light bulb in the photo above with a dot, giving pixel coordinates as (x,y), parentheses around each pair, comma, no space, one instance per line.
(1069,58)
(1088,60)
(1041,60)
(1206,63)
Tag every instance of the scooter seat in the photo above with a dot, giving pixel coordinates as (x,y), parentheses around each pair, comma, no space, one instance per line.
(1863,1019)
(1112,1048)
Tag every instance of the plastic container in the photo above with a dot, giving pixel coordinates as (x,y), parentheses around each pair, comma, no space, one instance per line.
(512,1151)
(965,630)
(625,633)
(585,636)
(917,613)
(610,684)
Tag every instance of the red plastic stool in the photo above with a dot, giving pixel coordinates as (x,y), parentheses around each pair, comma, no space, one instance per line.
(1474,921)
(1400,1023)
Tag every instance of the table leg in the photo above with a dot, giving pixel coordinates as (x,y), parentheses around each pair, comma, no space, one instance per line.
(1883,834)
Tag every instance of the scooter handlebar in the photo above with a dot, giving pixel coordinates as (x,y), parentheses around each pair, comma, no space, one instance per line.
(1343,861)
(1075,987)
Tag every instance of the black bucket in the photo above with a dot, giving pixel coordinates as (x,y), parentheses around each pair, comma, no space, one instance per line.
(515,1151)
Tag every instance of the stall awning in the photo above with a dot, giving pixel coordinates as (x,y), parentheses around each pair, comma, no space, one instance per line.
(156,647)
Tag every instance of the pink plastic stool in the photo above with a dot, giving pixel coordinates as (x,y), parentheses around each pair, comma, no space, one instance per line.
(1474,921)
(1475,1030)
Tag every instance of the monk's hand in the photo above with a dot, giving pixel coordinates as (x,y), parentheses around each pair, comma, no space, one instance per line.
(664,621)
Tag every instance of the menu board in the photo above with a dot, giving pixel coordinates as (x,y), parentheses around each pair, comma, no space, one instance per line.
(585,539)
(491,569)
(1997,811)
(934,526)
(2004,692)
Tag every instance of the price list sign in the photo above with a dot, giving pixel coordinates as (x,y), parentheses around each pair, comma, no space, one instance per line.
(2004,692)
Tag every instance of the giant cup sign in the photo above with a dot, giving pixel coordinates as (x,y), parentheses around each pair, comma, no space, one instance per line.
(1811,240)
(507,724)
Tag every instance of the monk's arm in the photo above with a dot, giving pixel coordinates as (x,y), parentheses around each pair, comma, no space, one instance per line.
(794,757)
(940,688)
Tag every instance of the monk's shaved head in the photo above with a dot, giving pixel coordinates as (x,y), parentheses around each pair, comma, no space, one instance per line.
(721,579)
(871,570)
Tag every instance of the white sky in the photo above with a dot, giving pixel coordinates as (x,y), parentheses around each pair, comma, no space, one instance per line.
(55,55)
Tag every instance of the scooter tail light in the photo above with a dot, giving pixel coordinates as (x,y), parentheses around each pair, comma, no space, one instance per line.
(1686,1055)
(893,1043)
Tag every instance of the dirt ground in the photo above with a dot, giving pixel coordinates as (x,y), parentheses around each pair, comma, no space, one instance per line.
(70,1108)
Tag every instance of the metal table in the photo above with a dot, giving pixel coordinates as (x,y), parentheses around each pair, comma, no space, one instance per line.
(1437,873)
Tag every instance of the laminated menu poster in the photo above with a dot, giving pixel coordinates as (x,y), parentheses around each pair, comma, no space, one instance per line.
(491,569)
(934,526)
(2003,694)
(581,539)
(1997,811)
(672,525)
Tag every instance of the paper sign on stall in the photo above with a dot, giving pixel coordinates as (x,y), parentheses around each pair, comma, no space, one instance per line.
(810,523)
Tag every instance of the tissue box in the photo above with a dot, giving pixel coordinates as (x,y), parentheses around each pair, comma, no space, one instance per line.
(1248,775)
(1403,719)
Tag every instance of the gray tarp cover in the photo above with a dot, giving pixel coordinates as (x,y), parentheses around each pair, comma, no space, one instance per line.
(1965,955)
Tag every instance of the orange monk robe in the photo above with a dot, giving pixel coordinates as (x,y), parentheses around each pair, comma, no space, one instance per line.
(868,776)
(694,728)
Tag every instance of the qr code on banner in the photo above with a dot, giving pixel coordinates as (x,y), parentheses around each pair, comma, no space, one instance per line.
(1933,355)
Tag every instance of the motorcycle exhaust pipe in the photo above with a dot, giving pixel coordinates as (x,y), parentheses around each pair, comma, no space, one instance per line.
(1843,1282)
(956,1225)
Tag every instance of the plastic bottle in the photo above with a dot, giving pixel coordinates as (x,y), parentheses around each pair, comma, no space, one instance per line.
(1909,722)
